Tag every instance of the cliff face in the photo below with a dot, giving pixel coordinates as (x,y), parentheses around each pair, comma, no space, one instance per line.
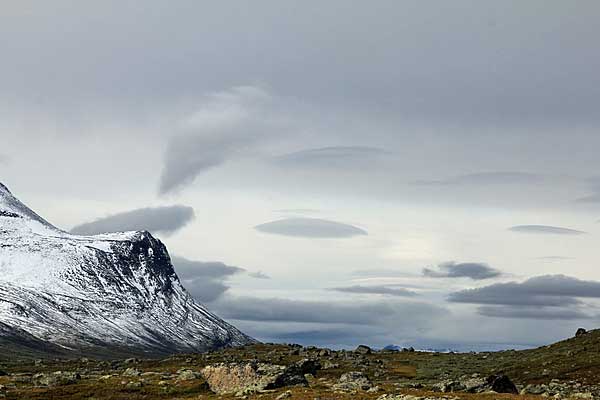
(84,292)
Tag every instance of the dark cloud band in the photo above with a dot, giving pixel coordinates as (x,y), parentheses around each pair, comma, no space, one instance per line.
(385,290)
(324,312)
(165,220)
(475,271)
(543,297)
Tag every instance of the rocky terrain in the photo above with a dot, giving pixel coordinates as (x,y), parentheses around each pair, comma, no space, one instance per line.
(566,370)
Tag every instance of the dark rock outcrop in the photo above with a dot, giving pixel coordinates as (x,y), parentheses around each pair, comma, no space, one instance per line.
(580,332)
(362,349)
(502,384)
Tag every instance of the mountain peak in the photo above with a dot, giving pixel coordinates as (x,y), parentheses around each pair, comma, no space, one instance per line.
(3,188)
(103,291)
(10,206)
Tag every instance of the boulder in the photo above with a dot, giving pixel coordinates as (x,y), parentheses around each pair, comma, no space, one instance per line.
(362,349)
(58,378)
(187,375)
(580,332)
(354,381)
(411,397)
(329,365)
(534,389)
(474,384)
(305,366)
(502,384)
(254,377)
(131,372)
(448,386)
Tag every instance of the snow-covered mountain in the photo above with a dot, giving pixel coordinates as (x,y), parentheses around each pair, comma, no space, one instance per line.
(93,292)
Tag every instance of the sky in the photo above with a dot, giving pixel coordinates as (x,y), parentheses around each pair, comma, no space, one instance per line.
(418,173)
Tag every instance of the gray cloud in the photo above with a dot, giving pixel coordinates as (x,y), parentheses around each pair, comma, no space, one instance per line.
(324,312)
(475,271)
(224,125)
(164,220)
(187,157)
(368,321)
(553,313)
(379,272)
(258,275)
(547,290)
(3,159)
(322,337)
(526,81)
(204,280)
(488,178)
(310,228)
(545,229)
(331,157)
(188,269)
(593,198)
(401,292)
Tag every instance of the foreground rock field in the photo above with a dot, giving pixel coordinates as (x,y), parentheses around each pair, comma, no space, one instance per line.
(568,369)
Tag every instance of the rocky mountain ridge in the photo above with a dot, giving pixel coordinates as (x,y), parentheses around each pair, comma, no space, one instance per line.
(88,293)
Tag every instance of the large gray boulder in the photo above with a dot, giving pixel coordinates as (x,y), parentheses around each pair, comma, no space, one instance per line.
(246,378)
(354,381)
(476,384)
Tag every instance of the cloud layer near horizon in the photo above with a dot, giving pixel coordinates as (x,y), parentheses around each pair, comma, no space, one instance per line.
(206,281)
(546,229)
(325,312)
(375,289)
(552,296)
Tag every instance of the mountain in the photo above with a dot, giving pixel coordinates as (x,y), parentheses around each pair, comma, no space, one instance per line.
(106,294)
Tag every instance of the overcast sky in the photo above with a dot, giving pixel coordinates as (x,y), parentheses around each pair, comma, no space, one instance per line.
(411,172)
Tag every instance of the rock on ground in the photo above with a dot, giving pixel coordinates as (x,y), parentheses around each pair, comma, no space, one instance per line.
(58,378)
(362,349)
(411,397)
(256,377)
(354,381)
(477,384)
(502,384)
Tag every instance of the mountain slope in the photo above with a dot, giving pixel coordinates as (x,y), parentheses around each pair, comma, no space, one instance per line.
(91,292)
